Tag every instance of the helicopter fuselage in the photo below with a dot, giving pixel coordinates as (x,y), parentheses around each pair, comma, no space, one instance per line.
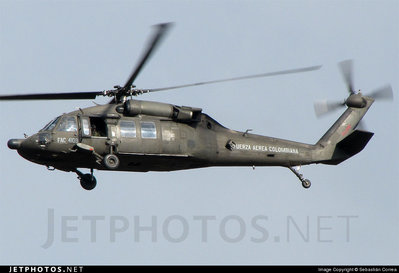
(142,136)
(153,143)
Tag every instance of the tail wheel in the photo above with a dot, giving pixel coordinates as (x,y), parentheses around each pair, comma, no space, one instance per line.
(306,183)
(111,161)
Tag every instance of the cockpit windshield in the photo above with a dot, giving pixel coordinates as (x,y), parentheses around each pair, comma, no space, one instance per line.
(50,126)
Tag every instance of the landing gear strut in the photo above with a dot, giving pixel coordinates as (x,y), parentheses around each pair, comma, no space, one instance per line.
(305,182)
(87,181)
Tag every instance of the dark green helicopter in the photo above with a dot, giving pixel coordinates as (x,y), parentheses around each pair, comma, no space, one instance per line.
(141,136)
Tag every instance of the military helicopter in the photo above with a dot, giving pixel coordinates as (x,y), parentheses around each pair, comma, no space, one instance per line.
(140,136)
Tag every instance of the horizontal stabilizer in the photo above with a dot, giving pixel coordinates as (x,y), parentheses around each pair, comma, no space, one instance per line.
(349,146)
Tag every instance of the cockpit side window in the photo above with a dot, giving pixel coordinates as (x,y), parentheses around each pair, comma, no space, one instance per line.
(85,126)
(68,124)
(50,126)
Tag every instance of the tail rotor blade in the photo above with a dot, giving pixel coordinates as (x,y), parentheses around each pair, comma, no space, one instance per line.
(382,93)
(346,68)
(324,107)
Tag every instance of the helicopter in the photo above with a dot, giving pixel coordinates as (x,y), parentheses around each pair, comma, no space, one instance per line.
(140,136)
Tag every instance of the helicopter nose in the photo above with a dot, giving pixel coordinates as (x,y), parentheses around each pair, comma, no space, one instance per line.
(15,144)
(27,148)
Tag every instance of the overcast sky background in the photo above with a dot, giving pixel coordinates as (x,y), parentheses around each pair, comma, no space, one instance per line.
(62,46)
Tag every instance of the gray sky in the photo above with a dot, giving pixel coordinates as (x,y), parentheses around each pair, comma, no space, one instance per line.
(348,216)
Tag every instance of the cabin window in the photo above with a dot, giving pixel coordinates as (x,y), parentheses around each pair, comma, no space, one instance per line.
(68,124)
(148,130)
(128,129)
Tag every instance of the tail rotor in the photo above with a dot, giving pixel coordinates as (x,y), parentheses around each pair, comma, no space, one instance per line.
(355,99)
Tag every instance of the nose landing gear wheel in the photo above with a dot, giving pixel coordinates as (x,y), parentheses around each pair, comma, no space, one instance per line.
(88,182)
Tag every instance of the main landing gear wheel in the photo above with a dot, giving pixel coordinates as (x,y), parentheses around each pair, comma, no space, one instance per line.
(88,181)
(306,183)
(111,161)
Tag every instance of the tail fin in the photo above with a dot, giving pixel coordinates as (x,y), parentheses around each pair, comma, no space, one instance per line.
(342,141)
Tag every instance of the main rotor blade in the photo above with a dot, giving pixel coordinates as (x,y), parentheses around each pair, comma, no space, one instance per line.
(382,93)
(346,68)
(54,96)
(283,72)
(162,29)
(324,107)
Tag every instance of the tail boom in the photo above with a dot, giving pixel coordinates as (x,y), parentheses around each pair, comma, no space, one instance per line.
(342,140)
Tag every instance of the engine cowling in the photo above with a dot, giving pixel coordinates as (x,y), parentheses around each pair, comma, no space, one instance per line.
(159,109)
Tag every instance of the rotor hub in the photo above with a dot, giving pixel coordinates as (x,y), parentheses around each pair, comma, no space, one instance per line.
(356,101)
